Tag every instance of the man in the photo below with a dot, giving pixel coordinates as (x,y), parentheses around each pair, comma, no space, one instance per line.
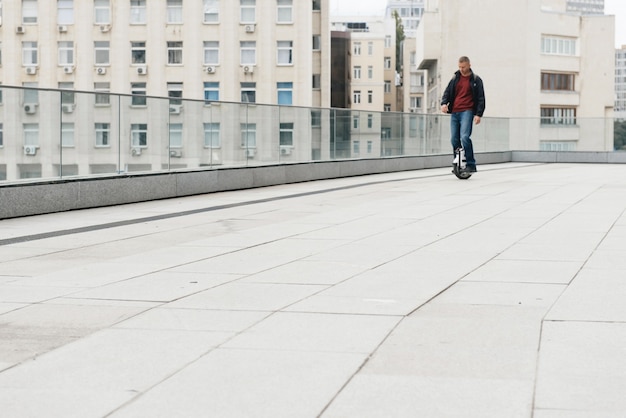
(464,98)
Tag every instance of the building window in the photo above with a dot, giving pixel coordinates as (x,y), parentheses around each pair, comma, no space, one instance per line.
(248,52)
(355,122)
(317,42)
(211,52)
(317,5)
(139,135)
(67,135)
(1,135)
(284,12)
(66,53)
(370,120)
(370,48)
(285,93)
(370,146)
(31,95)
(138,14)
(387,107)
(370,96)
(356,147)
(557,146)
(176,135)
(285,52)
(174,11)
(558,116)
(387,63)
(248,92)
(138,52)
(212,135)
(356,97)
(211,91)
(31,134)
(557,82)
(65,12)
(356,48)
(138,90)
(286,134)
(29,12)
(101,49)
(102,93)
(211,11)
(103,132)
(316,118)
(29,54)
(248,11)
(554,45)
(416,102)
(67,95)
(370,72)
(356,72)
(175,93)
(387,86)
(388,41)
(248,135)
(174,52)
(102,12)
(317,81)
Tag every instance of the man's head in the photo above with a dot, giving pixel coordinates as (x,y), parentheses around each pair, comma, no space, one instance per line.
(464,66)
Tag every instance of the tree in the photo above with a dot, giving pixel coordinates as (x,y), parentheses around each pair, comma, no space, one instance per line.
(399,39)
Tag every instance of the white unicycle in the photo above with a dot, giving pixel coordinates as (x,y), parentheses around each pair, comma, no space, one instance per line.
(459,164)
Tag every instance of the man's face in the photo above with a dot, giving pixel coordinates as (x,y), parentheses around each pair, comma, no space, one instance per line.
(464,68)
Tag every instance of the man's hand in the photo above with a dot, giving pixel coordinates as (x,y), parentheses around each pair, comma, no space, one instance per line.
(444,108)
(477,120)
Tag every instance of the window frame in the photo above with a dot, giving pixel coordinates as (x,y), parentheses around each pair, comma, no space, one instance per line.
(174,53)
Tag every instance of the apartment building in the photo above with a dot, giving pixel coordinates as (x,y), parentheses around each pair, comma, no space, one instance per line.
(171,47)
(409,11)
(550,70)
(214,51)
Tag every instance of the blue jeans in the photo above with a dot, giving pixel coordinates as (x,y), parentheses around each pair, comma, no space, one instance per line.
(461,128)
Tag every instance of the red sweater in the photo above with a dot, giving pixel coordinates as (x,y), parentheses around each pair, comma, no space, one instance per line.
(463,99)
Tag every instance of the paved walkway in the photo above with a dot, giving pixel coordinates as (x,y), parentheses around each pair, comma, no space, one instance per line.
(410,294)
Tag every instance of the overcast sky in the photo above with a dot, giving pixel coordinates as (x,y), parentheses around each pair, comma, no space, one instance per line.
(377,7)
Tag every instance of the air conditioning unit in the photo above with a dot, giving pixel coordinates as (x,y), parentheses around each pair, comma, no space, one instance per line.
(20,30)
(176,153)
(67,108)
(30,149)
(62,29)
(285,150)
(250,152)
(31,70)
(175,109)
(143,70)
(250,28)
(30,108)
(101,70)
(210,69)
(413,110)
(68,69)
(105,28)
(248,69)
(135,151)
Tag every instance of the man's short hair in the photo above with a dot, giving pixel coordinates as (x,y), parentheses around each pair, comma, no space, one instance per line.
(464,59)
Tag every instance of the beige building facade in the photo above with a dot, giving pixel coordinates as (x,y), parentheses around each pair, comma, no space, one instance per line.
(186,42)
(215,52)
(551,71)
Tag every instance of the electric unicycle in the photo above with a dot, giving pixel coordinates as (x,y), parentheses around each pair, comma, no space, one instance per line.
(459,165)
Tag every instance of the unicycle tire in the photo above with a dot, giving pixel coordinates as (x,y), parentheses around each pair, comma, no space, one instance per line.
(460,174)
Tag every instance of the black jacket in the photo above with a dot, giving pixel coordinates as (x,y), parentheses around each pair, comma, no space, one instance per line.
(478,93)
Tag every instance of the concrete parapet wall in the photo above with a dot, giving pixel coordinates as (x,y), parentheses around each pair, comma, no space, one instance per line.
(36,198)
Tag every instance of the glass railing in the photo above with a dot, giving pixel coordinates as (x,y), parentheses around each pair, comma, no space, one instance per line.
(50,134)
